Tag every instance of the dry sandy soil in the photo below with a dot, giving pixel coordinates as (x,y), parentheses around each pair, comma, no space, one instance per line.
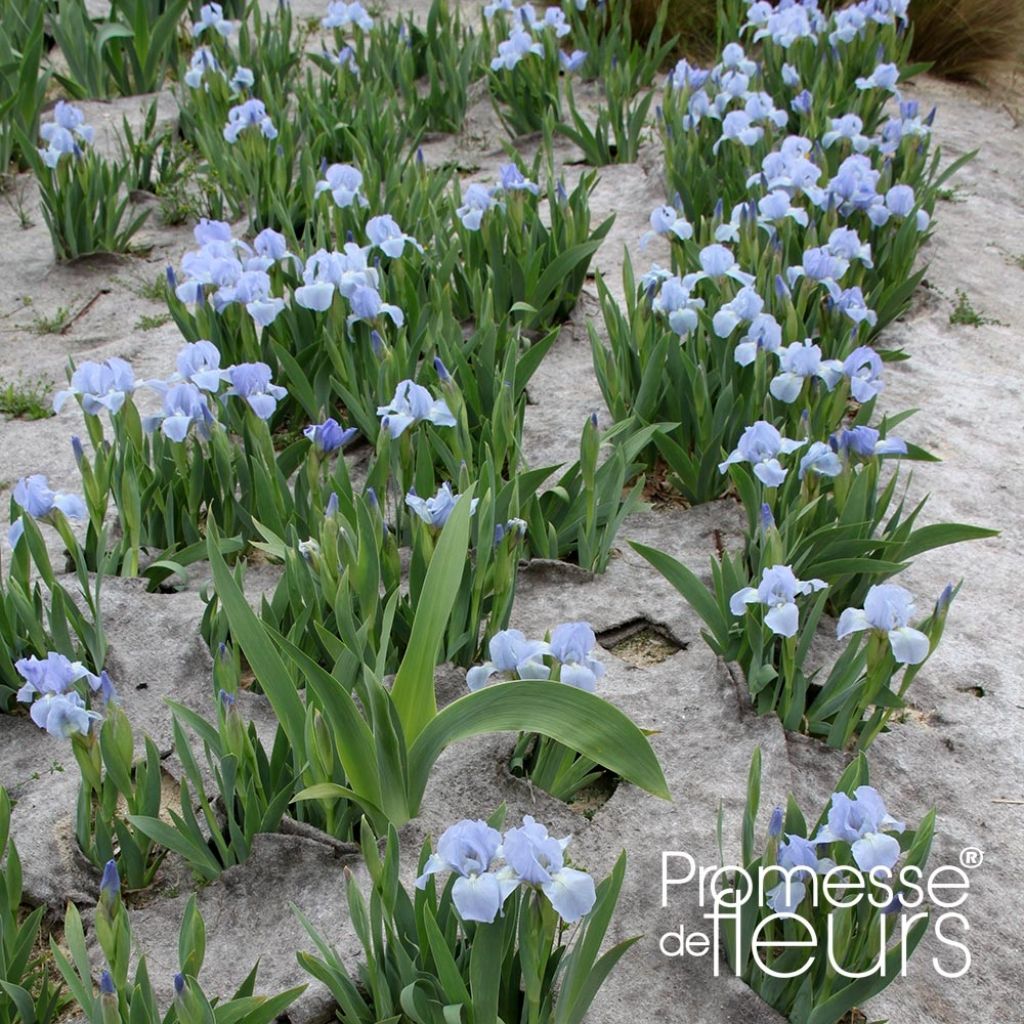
(959,750)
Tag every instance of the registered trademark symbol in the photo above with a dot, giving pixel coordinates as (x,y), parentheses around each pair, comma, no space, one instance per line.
(971,857)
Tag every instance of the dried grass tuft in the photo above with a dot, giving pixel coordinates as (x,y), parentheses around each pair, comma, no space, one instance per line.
(968,39)
(962,39)
(693,21)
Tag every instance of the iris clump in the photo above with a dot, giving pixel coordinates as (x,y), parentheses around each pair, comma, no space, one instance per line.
(567,656)
(499,925)
(490,867)
(855,843)
(84,197)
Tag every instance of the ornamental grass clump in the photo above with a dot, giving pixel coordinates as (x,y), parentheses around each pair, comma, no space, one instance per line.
(514,934)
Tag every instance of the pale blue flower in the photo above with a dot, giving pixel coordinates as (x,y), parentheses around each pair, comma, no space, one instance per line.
(344,182)
(819,264)
(512,50)
(786,24)
(849,128)
(777,591)
(211,16)
(686,76)
(855,184)
(654,278)
(511,652)
(554,19)
(242,79)
(863,821)
(735,58)
(345,15)
(272,245)
(209,231)
(775,207)
(888,609)
(675,303)
(798,857)
(476,201)
(412,404)
(820,459)
(716,262)
(513,180)
(367,305)
(764,334)
(63,714)
(798,363)
(665,220)
(803,102)
(251,381)
(572,61)
(572,644)
(251,289)
(436,510)
(184,406)
(386,235)
(469,848)
(885,76)
(737,126)
(250,114)
(100,386)
(744,307)
(53,674)
(344,58)
(851,303)
(538,859)
(63,134)
(198,363)
(327,272)
(316,295)
(33,495)
(849,22)
(329,436)
(846,244)
(864,368)
(759,106)
(900,200)
(203,60)
(760,445)
(865,442)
